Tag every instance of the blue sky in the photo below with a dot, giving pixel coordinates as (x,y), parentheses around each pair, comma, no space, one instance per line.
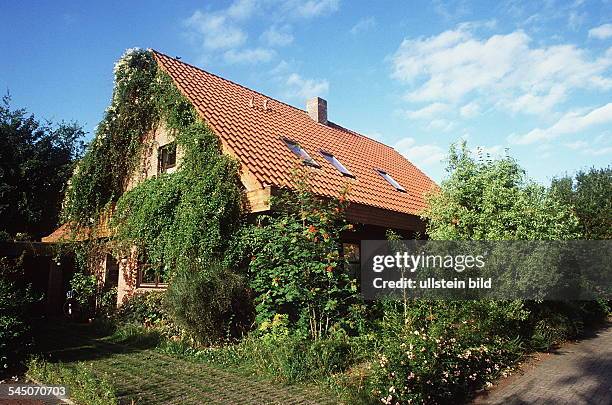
(534,77)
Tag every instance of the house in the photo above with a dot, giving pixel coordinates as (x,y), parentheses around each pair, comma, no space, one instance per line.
(268,137)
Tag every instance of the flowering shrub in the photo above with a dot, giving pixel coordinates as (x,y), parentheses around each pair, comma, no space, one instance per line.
(297,266)
(427,366)
(440,351)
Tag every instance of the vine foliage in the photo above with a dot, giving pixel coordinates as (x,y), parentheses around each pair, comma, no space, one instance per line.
(180,220)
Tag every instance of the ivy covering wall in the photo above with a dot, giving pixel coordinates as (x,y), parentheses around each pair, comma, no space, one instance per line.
(181,220)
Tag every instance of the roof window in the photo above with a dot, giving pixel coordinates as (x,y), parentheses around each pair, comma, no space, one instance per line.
(336,163)
(391,180)
(301,153)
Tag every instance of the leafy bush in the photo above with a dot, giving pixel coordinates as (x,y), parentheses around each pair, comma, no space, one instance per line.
(108,302)
(297,267)
(589,194)
(16,300)
(438,352)
(492,199)
(440,365)
(84,385)
(210,305)
(145,309)
(288,359)
(85,287)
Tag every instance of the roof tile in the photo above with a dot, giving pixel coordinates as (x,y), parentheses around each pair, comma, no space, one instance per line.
(254,136)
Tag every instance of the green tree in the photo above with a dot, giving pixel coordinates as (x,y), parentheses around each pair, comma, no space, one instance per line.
(589,194)
(297,269)
(492,199)
(36,161)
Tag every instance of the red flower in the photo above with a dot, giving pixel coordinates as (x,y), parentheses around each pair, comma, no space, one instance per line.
(312,229)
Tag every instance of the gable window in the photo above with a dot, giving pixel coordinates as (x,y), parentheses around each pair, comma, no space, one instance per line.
(391,180)
(336,163)
(301,153)
(166,156)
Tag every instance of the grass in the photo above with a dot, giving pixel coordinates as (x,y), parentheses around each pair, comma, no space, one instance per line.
(139,373)
(82,383)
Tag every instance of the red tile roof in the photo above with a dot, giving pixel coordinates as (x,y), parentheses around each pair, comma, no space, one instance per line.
(254,136)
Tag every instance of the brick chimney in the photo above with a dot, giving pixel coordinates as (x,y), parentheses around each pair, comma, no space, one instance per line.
(317,109)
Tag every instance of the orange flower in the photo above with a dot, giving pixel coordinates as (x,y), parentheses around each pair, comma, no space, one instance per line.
(312,229)
(329,269)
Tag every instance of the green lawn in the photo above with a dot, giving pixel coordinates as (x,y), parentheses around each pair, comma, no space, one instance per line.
(142,375)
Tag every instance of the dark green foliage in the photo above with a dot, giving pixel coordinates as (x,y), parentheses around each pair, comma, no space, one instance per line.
(16,300)
(209,304)
(178,221)
(112,156)
(185,218)
(108,302)
(589,194)
(85,287)
(36,160)
(144,309)
(553,322)
(296,266)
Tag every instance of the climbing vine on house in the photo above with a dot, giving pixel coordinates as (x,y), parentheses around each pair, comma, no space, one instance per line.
(178,221)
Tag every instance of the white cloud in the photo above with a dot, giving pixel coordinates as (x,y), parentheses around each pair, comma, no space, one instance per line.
(221,34)
(248,56)
(602,32)
(599,146)
(420,155)
(216,30)
(506,70)
(281,68)
(275,36)
(427,112)
(315,8)
(242,9)
(470,110)
(569,123)
(577,145)
(576,19)
(362,25)
(440,125)
(299,87)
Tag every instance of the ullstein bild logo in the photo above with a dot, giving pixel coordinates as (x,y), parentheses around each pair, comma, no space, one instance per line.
(543,270)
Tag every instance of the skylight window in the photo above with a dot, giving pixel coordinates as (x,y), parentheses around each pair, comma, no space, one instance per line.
(336,163)
(391,180)
(301,153)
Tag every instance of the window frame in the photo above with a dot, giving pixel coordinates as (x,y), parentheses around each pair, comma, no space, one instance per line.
(163,167)
(333,160)
(300,152)
(142,265)
(389,179)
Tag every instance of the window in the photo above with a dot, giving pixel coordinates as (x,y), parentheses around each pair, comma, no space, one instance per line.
(149,274)
(301,153)
(336,163)
(391,180)
(166,156)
